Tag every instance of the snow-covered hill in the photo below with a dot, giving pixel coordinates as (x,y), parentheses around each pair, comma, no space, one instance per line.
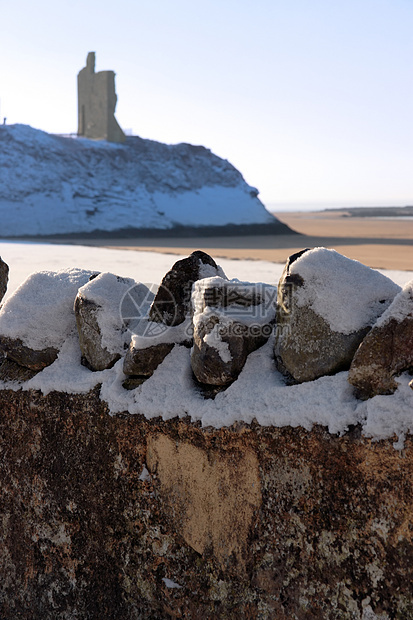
(58,185)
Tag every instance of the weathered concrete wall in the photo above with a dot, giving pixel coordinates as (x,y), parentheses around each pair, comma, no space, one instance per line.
(251,522)
(97,103)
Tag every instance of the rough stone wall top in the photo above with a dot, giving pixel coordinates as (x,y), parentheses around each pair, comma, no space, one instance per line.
(97,103)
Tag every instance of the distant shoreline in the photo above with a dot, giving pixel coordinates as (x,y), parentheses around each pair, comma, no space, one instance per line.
(377,243)
(381,244)
(228,230)
(388,212)
(356,211)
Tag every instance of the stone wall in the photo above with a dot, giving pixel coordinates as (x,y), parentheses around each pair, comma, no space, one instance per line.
(120,516)
(123,517)
(97,103)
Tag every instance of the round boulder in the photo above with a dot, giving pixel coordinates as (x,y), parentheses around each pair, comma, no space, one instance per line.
(326,304)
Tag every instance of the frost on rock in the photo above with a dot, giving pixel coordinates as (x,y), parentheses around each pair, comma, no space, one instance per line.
(213,339)
(108,309)
(326,305)
(170,584)
(150,334)
(37,319)
(230,319)
(347,294)
(145,476)
(400,309)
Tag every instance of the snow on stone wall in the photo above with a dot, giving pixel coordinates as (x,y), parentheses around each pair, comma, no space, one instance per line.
(164,384)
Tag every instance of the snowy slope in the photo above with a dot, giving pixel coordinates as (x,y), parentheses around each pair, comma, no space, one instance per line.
(50,185)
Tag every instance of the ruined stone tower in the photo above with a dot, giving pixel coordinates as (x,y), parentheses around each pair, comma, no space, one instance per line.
(96,104)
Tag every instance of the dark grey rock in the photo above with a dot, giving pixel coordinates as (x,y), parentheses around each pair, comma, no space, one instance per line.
(14,349)
(131,383)
(306,345)
(307,348)
(4,278)
(169,309)
(144,362)
(172,302)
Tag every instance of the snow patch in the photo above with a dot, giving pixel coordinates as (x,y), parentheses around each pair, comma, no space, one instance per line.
(150,334)
(121,303)
(208,271)
(170,584)
(249,303)
(145,475)
(401,308)
(40,313)
(345,293)
(213,339)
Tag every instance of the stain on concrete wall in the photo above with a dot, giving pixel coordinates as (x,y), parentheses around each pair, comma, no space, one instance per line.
(212,495)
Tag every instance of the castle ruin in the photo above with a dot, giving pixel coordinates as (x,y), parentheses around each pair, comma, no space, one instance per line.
(97,103)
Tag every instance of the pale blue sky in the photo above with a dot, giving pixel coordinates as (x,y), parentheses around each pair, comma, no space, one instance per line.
(311,99)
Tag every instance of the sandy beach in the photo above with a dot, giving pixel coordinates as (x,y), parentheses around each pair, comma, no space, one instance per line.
(378,243)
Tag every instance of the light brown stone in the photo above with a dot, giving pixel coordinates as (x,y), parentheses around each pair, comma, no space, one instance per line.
(25,356)
(96,104)
(212,496)
(384,353)
(144,362)
(95,355)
